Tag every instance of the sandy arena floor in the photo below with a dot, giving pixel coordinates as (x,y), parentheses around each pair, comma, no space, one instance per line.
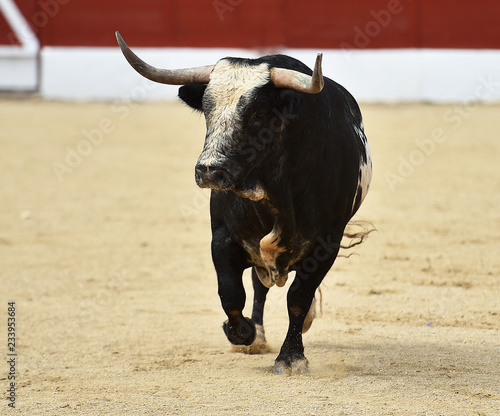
(104,247)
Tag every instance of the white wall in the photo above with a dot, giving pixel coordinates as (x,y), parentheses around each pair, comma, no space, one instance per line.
(104,74)
(390,75)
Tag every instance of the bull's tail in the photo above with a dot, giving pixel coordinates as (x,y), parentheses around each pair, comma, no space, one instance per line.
(355,233)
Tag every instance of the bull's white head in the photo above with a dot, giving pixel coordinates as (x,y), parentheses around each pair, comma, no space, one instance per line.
(236,112)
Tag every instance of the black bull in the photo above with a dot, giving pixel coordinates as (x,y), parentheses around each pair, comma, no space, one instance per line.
(288,167)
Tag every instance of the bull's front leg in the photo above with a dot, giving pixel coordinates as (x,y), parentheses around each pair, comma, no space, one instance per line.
(300,296)
(229,261)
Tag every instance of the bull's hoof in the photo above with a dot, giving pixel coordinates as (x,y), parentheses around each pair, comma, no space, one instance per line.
(290,363)
(259,346)
(241,332)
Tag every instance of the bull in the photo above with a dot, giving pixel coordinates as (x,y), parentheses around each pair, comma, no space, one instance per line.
(288,165)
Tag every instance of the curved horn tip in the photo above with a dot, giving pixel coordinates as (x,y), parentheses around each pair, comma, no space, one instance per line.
(319,60)
(120,40)
(318,73)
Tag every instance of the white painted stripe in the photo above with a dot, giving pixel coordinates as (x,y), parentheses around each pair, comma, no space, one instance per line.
(29,42)
(370,75)
(18,63)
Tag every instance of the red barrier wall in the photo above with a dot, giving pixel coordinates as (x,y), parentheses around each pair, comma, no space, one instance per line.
(322,24)
(6,35)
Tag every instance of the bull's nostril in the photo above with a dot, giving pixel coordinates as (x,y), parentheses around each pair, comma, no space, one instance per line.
(200,170)
(219,176)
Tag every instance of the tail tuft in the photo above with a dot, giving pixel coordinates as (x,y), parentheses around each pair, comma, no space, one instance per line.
(355,233)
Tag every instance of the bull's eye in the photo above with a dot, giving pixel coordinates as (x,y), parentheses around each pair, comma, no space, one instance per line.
(257,118)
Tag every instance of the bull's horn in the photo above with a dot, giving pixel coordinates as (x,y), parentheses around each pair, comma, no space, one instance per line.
(287,78)
(199,75)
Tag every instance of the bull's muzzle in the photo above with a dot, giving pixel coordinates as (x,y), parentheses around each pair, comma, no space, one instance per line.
(214,177)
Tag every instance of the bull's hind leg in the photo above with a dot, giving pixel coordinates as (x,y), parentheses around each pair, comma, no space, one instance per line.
(300,296)
(260,293)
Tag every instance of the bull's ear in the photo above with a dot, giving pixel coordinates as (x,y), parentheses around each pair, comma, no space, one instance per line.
(291,100)
(192,95)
